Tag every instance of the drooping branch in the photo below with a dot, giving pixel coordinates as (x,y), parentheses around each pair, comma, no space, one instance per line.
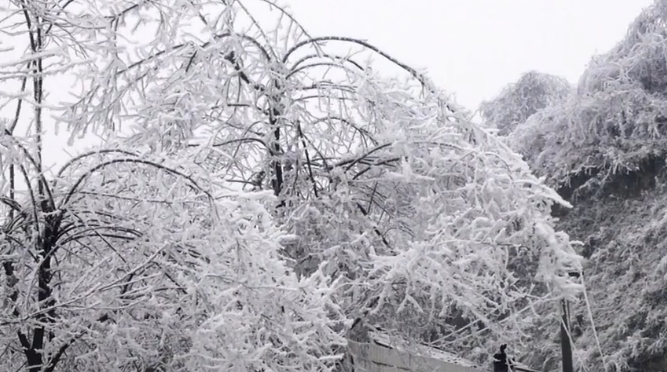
(98,167)
(91,153)
(204,45)
(414,73)
(422,79)
(334,57)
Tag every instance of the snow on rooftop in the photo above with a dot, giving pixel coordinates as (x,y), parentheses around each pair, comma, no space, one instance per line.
(417,349)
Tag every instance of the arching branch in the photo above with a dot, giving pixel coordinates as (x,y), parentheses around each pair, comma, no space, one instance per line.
(204,45)
(91,153)
(422,79)
(326,55)
(130,161)
(414,73)
(318,64)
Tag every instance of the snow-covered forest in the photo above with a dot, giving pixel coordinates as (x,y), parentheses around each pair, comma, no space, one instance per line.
(601,145)
(251,195)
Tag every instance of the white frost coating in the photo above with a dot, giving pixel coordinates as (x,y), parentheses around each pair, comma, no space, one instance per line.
(398,208)
(414,207)
(533,92)
(420,350)
(616,119)
(148,269)
(605,146)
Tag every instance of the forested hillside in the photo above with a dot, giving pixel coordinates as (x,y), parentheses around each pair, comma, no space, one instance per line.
(603,148)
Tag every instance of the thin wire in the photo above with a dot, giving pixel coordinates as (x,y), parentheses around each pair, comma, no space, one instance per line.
(595,332)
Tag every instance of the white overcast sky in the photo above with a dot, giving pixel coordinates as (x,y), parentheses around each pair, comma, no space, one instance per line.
(473,48)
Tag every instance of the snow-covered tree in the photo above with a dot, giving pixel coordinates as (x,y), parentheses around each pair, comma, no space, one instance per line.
(131,262)
(517,102)
(411,205)
(603,147)
(615,122)
(125,260)
(384,184)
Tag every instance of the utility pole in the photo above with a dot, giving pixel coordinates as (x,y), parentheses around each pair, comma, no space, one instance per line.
(565,341)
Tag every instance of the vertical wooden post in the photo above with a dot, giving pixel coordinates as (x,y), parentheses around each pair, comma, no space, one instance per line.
(565,342)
